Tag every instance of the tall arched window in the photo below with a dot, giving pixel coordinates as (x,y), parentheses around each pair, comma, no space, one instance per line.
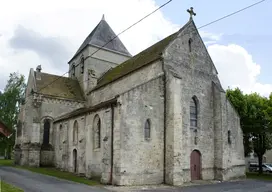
(46,131)
(193,112)
(75,132)
(82,65)
(190,44)
(147,129)
(97,131)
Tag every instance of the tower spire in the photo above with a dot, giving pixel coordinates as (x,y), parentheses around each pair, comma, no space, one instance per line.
(103,17)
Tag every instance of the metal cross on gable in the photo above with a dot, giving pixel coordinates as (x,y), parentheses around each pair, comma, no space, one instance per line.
(191,12)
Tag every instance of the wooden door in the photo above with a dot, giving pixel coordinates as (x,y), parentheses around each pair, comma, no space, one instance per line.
(195,165)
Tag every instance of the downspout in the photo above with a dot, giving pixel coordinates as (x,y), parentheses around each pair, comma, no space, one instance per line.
(112,131)
(164,121)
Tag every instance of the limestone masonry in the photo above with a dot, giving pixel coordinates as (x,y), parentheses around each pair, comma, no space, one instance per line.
(160,116)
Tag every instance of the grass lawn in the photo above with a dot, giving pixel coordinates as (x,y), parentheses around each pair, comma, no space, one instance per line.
(52,172)
(6,162)
(9,188)
(264,176)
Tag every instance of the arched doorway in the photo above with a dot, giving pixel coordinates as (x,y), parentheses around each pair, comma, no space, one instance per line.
(75,160)
(195,165)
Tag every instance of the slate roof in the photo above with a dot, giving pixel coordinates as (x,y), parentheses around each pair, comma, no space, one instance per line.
(101,35)
(63,87)
(141,59)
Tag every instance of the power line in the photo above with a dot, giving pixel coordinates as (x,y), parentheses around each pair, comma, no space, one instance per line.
(224,17)
(106,44)
(252,5)
(112,40)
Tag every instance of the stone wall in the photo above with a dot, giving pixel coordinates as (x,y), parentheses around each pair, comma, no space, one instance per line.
(65,146)
(98,160)
(189,74)
(98,62)
(192,74)
(142,159)
(125,83)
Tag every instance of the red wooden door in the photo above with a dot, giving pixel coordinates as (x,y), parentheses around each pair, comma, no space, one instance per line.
(195,165)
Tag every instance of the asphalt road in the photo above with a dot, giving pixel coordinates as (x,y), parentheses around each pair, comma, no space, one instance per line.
(235,186)
(34,182)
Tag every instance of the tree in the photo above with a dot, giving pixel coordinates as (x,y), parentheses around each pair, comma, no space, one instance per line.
(259,122)
(10,100)
(255,116)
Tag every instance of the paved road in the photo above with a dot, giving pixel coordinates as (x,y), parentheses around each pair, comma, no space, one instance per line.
(237,186)
(34,182)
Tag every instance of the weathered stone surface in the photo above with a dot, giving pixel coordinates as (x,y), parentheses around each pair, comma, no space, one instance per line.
(159,93)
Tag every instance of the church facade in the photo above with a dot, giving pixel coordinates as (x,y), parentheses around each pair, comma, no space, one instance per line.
(160,116)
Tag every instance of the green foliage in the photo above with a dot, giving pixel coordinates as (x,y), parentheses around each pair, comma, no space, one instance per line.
(256,121)
(10,100)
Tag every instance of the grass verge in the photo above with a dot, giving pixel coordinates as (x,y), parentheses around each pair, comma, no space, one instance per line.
(52,172)
(9,188)
(264,176)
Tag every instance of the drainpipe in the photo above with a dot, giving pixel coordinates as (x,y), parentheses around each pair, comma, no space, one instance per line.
(164,123)
(112,131)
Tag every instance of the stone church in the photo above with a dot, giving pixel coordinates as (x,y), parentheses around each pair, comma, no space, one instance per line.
(160,116)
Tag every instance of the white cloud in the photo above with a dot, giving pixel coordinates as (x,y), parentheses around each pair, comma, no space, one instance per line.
(67,23)
(237,68)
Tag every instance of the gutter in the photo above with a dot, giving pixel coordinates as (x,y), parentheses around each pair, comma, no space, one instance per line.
(81,111)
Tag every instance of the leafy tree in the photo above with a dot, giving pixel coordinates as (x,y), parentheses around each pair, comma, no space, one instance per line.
(10,100)
(256,116)
(259,125)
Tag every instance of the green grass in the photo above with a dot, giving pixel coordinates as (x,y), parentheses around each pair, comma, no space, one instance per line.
(9,188)
(52,172)
(264,176)
(6,162)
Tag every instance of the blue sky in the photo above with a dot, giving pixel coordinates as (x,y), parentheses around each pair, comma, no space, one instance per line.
(238,45)
(250,29)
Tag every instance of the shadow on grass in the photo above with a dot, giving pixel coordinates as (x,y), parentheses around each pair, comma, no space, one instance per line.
(53,172)
(264,176)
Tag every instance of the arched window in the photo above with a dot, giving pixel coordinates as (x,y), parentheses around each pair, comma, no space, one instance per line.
(46,131)
(193,112)
(73,70)
(82,65)
(97,131)
(147,129)
(60,134)
(75,132)
(190,44)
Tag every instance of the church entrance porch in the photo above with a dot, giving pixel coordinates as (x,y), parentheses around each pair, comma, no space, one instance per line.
(75,160)
(195,165)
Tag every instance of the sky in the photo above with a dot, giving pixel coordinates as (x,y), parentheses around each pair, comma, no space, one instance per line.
(48,33)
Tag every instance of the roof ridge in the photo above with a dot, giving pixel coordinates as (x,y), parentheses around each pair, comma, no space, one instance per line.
(141,59)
